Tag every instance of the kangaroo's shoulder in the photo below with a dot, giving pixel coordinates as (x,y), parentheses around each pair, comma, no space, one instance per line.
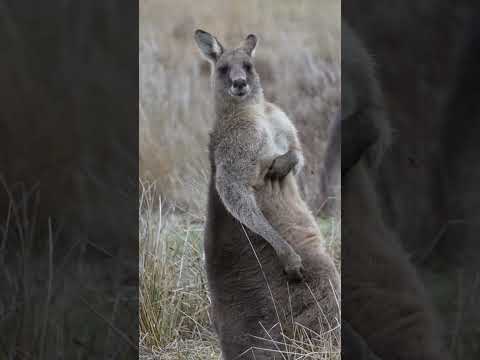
(278,119)
(273,110)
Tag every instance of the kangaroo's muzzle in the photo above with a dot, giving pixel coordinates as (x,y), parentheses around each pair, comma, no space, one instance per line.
(239,87)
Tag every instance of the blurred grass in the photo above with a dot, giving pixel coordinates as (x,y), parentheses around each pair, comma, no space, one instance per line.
(298,59)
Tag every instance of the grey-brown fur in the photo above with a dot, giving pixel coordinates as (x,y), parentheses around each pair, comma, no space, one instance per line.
(246,297)
(283,206)
(251,189)
(248,134)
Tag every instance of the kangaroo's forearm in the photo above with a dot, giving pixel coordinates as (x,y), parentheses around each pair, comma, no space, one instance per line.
(241,203)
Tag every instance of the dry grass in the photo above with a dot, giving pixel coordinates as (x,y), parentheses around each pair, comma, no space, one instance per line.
(299,63)
(173,296)
(174,320)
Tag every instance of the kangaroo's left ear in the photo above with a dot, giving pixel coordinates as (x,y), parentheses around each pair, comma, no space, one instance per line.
(250,44)
(209,45)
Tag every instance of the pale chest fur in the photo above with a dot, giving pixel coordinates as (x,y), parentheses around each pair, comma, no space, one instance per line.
(277,130)
(262,129)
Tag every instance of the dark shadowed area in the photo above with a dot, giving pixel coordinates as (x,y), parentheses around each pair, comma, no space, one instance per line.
(426,56)
(68,180)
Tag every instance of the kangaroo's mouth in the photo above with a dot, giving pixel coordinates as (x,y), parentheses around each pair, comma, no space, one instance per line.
(236,93)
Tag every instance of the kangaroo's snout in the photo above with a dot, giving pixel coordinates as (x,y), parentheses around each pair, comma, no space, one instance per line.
(239,86)
(239,83)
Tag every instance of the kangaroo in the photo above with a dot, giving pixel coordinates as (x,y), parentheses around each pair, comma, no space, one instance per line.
(257,224)
(249,134)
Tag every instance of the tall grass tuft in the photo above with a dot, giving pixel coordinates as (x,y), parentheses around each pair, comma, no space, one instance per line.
(174,320)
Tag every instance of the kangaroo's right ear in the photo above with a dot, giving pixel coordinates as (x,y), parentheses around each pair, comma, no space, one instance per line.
(209,45)
(250,44)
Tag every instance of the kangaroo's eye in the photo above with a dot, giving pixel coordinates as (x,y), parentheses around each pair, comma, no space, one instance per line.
(223,69)
(247,66)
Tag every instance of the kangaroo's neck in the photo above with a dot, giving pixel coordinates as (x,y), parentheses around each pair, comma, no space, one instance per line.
(231,110)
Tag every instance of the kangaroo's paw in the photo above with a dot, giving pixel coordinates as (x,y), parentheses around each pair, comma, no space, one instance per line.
(283,164)
(292,266)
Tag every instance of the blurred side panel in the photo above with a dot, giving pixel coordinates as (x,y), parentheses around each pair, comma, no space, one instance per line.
(411,236)
(68,179)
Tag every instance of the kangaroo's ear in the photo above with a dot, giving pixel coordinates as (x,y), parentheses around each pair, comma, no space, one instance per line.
(250,44)
(209,45)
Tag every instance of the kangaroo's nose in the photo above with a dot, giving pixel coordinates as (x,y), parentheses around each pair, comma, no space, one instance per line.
(239,83)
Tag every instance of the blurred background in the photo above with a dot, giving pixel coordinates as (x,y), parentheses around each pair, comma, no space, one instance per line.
(68,180)
(298,59)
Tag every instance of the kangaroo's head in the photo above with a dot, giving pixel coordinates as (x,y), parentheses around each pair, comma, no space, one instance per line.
(233,72)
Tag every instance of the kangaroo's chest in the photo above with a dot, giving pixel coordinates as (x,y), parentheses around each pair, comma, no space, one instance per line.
(278,132)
